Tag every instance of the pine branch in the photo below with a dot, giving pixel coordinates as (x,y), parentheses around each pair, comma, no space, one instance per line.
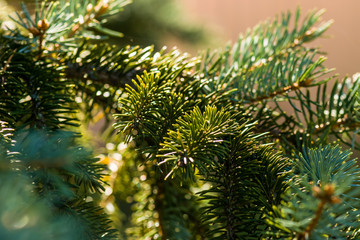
(269,73)
(188,119)
(63,175)
(37,95)
(197,141)
(92,14)
(328,177)
(158,98)
(328,115)
(326,196)
(34,92)
(238,199)
(266,42)
(280,77)
(295,86)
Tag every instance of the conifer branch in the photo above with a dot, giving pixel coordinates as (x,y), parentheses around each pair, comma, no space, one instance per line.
(94,73)
(294,87)
(341,125)
(336,176)
(92,14)
(297,42)
(188,120)
(326,196)
(42,26)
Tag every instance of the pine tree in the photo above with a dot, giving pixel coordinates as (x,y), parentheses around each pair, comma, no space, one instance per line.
(240,143)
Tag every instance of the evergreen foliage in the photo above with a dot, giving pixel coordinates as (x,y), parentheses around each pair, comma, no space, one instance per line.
(235,144)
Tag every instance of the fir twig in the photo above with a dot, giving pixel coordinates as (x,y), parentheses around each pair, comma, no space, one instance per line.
(92,14)
(295,86)
(326,196)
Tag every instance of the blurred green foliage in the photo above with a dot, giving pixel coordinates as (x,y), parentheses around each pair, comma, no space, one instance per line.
(150,22)
(147,22)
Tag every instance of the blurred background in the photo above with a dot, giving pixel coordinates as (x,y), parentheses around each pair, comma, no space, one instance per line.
(196,25)
(228,18)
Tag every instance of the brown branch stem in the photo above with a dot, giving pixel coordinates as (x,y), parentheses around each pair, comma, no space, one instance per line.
(326,195)
(41,41)
(310,228)
(293,87)
(341,124)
